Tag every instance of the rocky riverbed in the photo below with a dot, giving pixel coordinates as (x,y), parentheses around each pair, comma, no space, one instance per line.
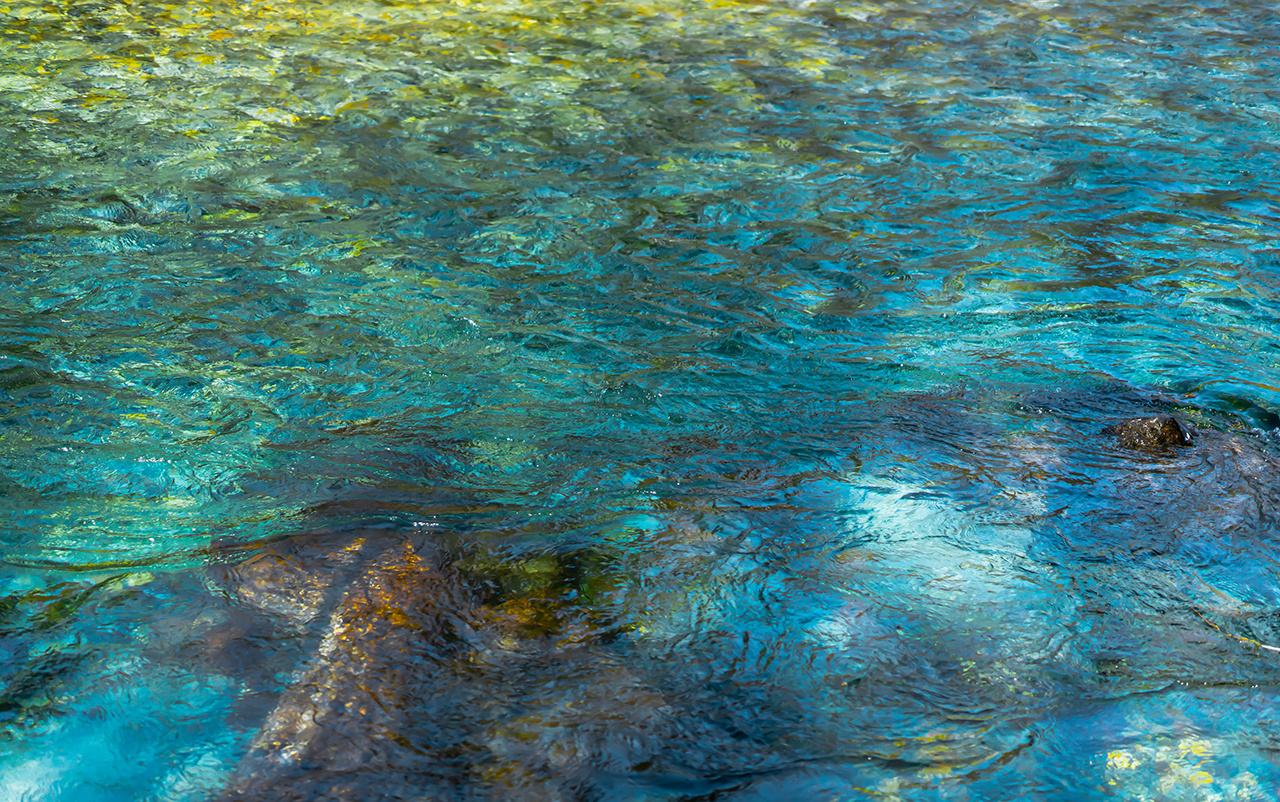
(976,609)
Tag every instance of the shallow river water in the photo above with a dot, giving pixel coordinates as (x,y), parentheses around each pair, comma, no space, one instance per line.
(674,400)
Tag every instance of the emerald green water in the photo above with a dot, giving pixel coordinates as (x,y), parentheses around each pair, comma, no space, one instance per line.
(744,368)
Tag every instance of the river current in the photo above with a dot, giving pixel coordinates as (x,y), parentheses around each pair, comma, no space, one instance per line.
(674,400)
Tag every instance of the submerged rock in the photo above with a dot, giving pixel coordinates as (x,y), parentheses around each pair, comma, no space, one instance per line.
(422,662)
(292,579)
(1156,432)
(349,703)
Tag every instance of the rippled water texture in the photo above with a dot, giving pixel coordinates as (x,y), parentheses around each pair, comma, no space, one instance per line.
(604,400)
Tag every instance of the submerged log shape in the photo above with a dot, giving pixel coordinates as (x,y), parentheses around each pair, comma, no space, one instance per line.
(348,704)
(1157,432)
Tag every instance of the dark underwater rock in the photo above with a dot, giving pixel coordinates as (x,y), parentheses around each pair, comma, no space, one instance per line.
(1157,432)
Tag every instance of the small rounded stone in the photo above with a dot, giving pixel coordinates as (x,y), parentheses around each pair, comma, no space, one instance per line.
(1155,432)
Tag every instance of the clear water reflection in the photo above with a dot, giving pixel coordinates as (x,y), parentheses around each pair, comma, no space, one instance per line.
(682,400)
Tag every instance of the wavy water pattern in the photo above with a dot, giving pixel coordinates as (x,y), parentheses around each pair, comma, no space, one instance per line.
(683,399)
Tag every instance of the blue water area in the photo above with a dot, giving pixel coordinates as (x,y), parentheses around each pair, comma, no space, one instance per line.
(654,400)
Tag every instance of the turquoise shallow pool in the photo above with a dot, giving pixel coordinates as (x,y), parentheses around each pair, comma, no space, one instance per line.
(659,401)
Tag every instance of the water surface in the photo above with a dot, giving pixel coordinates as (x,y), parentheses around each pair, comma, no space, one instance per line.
(681,400)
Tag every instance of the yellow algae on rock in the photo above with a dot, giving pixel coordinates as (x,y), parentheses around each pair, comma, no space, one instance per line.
(348,702)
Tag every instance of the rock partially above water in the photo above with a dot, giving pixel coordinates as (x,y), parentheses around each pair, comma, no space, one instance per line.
(1152,433)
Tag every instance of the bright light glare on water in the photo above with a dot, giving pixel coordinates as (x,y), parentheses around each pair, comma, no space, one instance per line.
(683,400)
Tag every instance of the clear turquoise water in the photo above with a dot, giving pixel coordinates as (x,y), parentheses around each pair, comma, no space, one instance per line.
(768,345)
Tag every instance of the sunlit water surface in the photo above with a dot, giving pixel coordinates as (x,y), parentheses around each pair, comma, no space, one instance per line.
(653,401)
